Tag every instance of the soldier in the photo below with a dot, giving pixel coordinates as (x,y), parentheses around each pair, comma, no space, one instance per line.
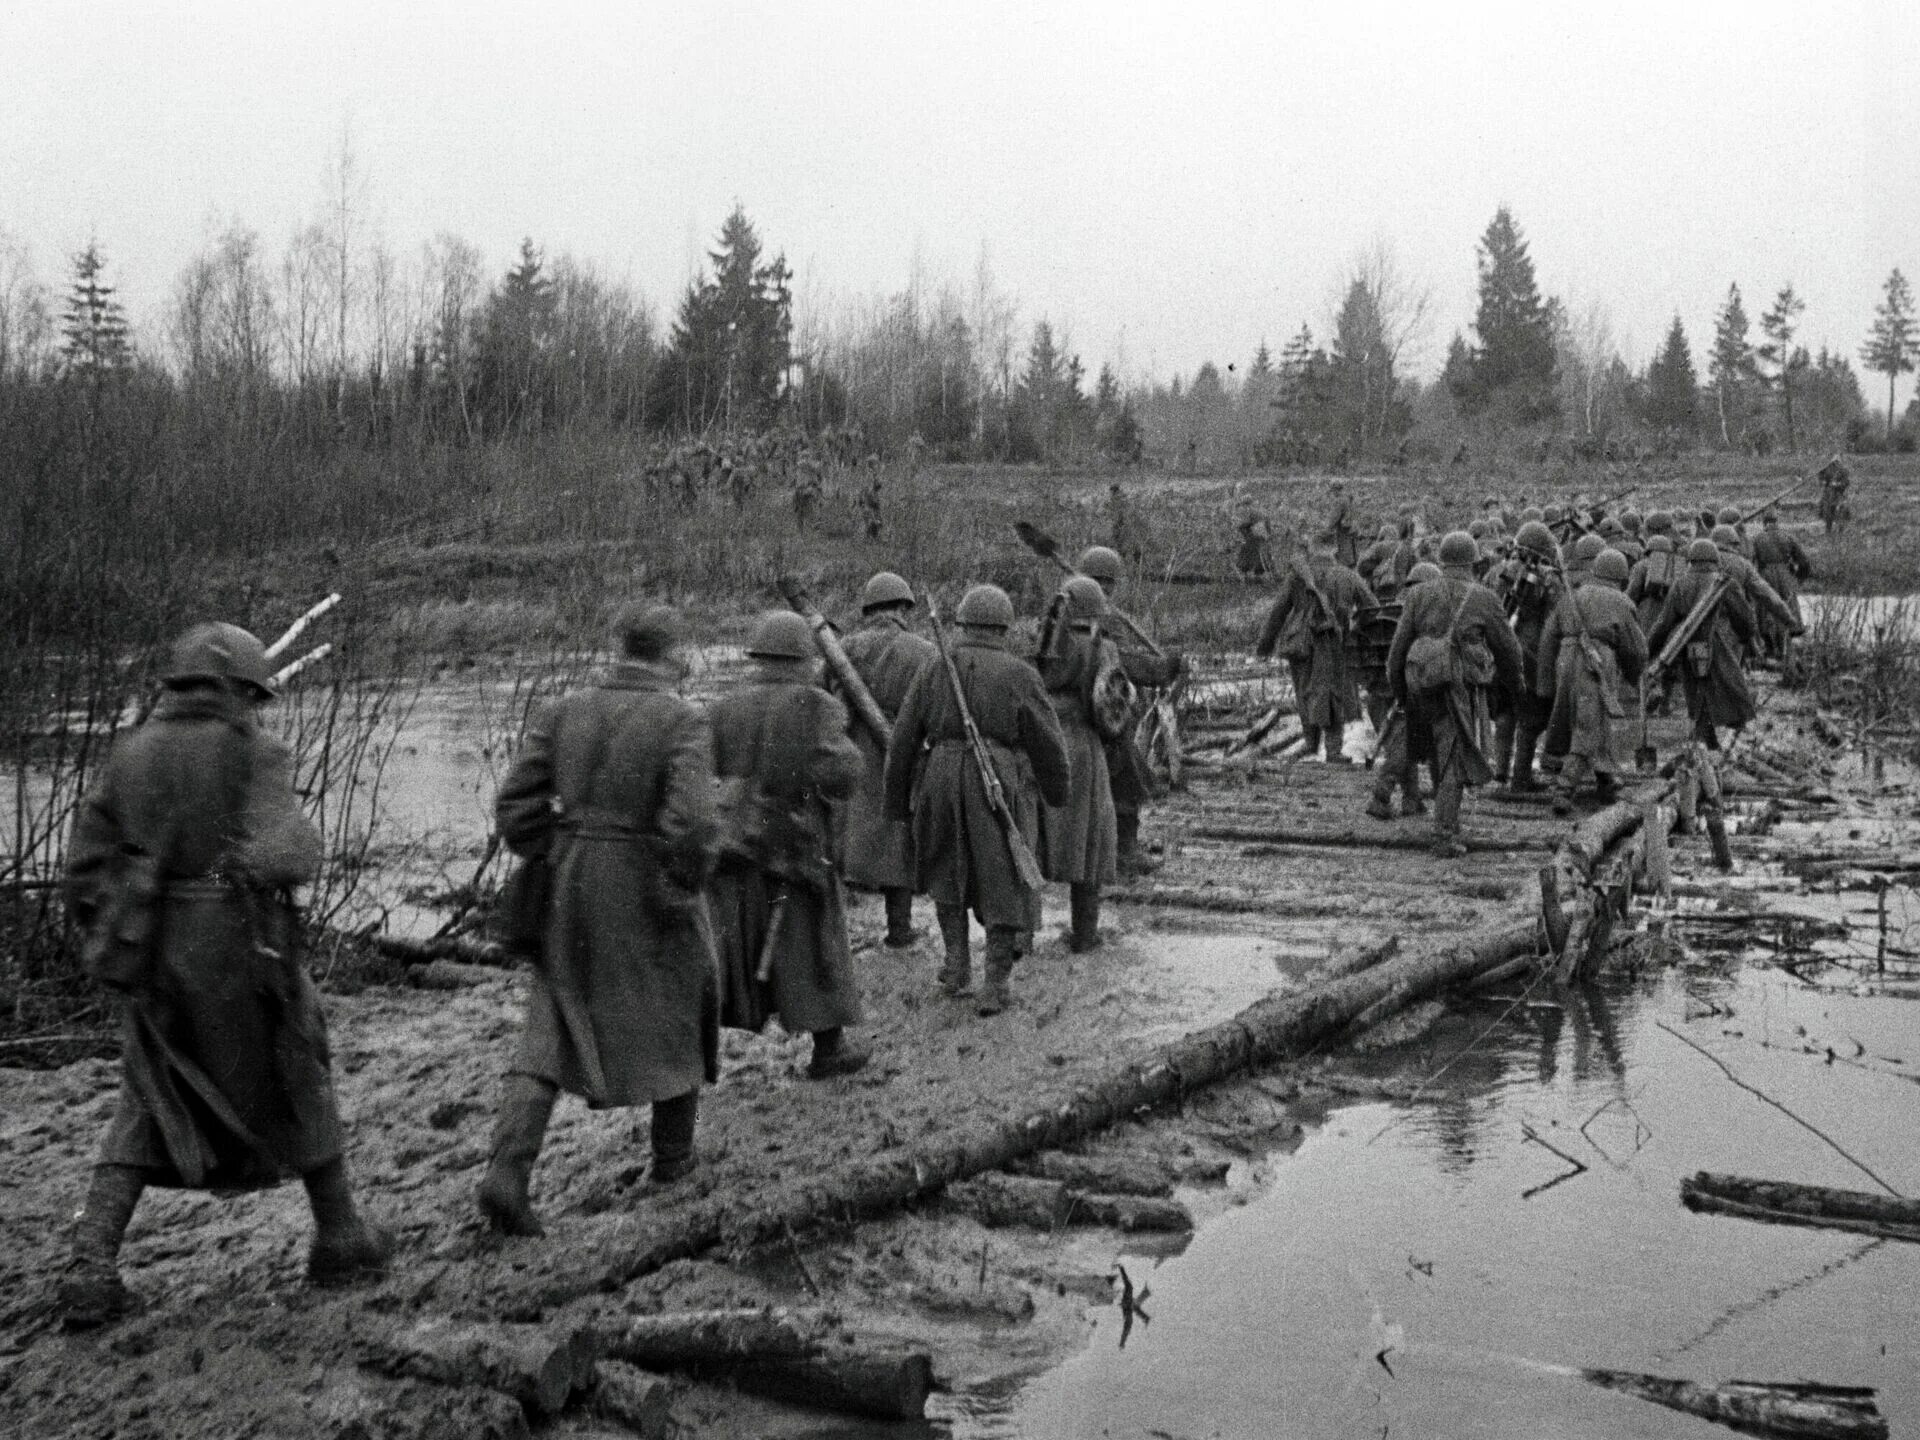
(961,855)
(781,752)
(1579,557)
(1762,598)
(888,658)
(1309,626)
(807,489)
(1254,559)
(1834,510)
(1079,838)
(193,836)
(1397,767)
(1126,765)
(1343,526)
(870,497)
(1716,686)
(1591,654)
(1385,563)
(1452,642)
(1125,535)
(1618,537)
(613,791)
(1526,588)
(1730,516)
(1782,562)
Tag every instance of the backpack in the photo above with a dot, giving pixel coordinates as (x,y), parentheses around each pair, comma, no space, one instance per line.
(1111,695)
(1437,662)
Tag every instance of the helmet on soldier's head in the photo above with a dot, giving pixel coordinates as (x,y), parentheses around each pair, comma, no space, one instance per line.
(1729,515)
(1703,552)
(1771,519)
(1532,512)
(1659,522)
(781,635)
(886,588)
(1588,547)
(1611,528)
(1492,502)
(1479,529)
(986,606)
(1725,536)
(1458,549)
(647,629)
(219,651)
(1659,544)
(1535,537)
(1553,514)
(1388,534)
(1085,599)
(1610,565)
(1630,518)
(1423,572)
(1102,564)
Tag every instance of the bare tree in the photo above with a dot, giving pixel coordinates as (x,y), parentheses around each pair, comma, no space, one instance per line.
(1400,311)
(1588,365)
(26,325)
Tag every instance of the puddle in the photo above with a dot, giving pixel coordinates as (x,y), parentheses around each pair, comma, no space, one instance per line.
(1436,1233)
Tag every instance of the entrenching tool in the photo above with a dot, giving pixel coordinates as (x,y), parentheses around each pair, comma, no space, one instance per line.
(1675,647)
(859,697)
(1766,505)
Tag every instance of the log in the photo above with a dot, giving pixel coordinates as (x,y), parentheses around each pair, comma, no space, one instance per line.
(1357,838)
(1516,942)
(451,947)
(539,1366)
(1799,1410)
(698,1339)
(451,975)
(1099,1174)
(998,1200)
(1223,900)
(634,1400)
(886,1385)
(1784,1203)
(1352,962)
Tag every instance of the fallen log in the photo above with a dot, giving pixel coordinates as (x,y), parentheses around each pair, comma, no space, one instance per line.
(998,1200)
(1098,1174)
(451,975)
(1781,1202)
(1354,838)
(539,1366)
(886,1385)
(1800,1410)
(1223,900)
(452,947)
(696,1339)
(634,1400)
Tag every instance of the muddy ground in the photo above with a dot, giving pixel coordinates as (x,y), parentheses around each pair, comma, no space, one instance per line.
(231,1343)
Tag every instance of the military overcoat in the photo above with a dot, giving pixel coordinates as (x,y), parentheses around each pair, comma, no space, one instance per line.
(1324,684)
(1594,689)
(1078,838)
(876,852)
(1721,695)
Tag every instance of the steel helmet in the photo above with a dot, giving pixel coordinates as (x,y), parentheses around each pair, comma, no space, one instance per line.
(1479,529)
(781,635)
(1660,522)
(1532,512)
(1536,537)
(1703,552)
(1588,547)
(1631,518)
(1085,599)
(986,606)
(1102,564)
(1423,572)
(219,651)
(886,588)
(1726,537)
(1458,549)
(1729,515)
(1659,544)
(1610,565)
(647,629)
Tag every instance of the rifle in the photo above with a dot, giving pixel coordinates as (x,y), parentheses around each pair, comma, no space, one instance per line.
(1394,717)
(1048,548)
(864,705)
(1684,632)
(1766,505)
(1025,865)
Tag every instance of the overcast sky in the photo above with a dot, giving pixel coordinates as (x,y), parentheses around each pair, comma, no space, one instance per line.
(1168,183)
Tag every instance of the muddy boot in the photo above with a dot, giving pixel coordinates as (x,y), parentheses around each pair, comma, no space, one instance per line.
(1523,781)
(956,971)
(524,1112)
(1133,860)
(345,1246)
(900,931)
(1446,816)
(1410,801)
(1309,740)
(833,1056)
(1002,952)
(673,1127)
(1084,935)
(1503,748)
(1380,807)
(90,1293)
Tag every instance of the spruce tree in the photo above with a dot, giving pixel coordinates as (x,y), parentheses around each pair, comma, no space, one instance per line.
(1673,389)
(1514,360)
(96,343)
(732,340)
(1732,367)
(1893,342)
(1778,325)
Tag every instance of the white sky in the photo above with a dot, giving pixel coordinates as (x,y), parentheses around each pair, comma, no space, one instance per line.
(1169,183)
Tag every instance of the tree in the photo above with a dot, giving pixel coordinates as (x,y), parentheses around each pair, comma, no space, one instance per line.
(733,339)
(96,343)
(1731,367)
(1513,363)
(1365,401)
(515,343)
(1832,408)
(1673,388)
(1049,411)
(25,326)
(1778,325)
(1893,342)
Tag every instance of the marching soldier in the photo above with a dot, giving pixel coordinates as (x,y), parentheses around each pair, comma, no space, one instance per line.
(179,872)
(962,856)
(1120,523)
(1343,527)
(1647,586)
(1376,567)
(1078,838)
(1782,562)
(807,489)
(1254,559)
(870,495)
(888,657)
(1716,685)
(1591,654)
(781,752)
(1397,765)
(1762,598)
(1309,625)
(613,791)
(1834,510)
(1453,641)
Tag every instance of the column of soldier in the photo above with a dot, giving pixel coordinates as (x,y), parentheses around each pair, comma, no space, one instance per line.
(694,858)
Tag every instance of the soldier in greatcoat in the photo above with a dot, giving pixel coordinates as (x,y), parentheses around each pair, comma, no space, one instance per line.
(1782,562)
(180,870)
(612,792)
(1592,651)
(1078,840)
(963,858)
(1766,603)
(781,751)
(1716,685)
(1396,765)
(1311,625)
(1445,720)
(876,852)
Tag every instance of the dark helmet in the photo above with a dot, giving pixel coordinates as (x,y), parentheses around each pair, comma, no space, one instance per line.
(1729,515)
(1085,599)
(1630,518)
(1479,529)
(1659,522)
(1458,549)
(1532,512)
(1537,538)
(1703,552)
(1771,518)
(886,588)
(1423,572)
(1610,565)
(1102,564)
(219,651)
(1659,544)
(1588,547)
(1726,537)
(781,635)
(646,629)
(987,606)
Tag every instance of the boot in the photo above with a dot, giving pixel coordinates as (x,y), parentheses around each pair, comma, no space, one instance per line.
(345,1246)
(673,1126)
(91,1293)
(1447,789)
(1085,933)
(833,1056)
(524,1112)
(1503,748)
(1002,951)
(1523,781)
(956,973)
(1133,860)
(900,931)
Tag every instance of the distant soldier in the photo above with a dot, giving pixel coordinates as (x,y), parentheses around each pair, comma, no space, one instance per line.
(1452,643)
(1078,838)
(1527,589)
(807,489)
(1729,516)
(1782,562)
(1834,510)
(1310,626)
(1591,654)
(1614,532)
(1578,558)
(781,752)
(961,855)
(1717,690)
(1397,768)
(1343,525)
(1120,524)
(870,496)
(1254,559)
(878,852)
(1766,602)
(613,787)
(1375,565)
(1127,767)
(179,873)
(916,454)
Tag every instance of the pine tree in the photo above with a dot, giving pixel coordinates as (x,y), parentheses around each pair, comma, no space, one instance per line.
(1731,369)
(732,340)
(1514,360)
(97,344)
(1673,389)
(1365,389)
(1893,343)
(515,372)
(1778,325)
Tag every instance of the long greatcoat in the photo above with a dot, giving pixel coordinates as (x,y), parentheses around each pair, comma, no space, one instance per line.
(1782,562)
(960,851)
(784,738)
(1444,727)
(1650,580)
(224,1069)
(1324,685)
(1722,695)
(614,784)
(1078,841)
(1596,708)
(876,852)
